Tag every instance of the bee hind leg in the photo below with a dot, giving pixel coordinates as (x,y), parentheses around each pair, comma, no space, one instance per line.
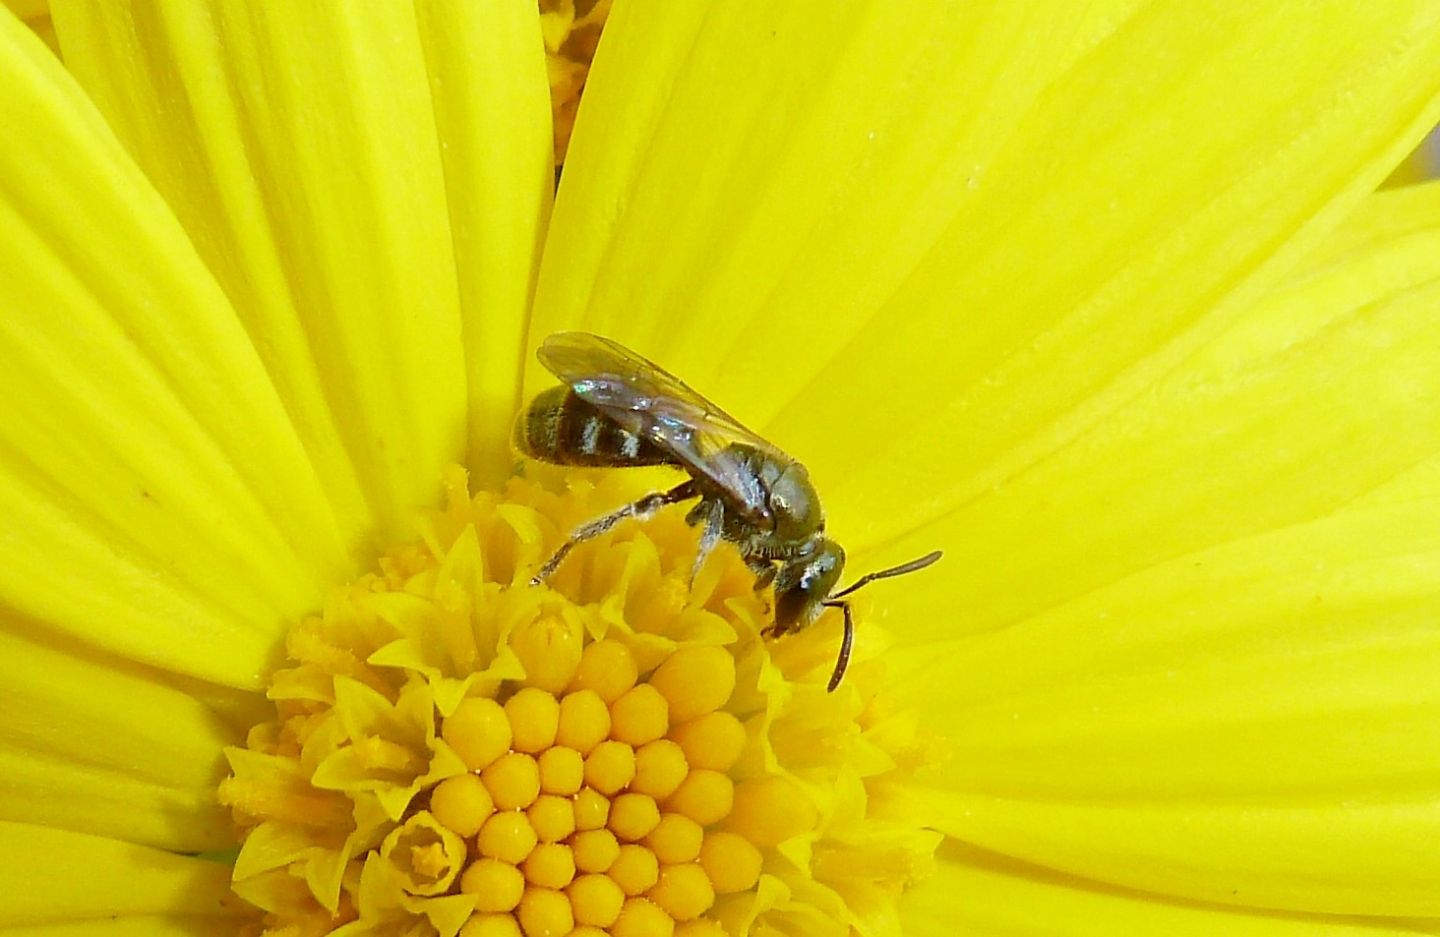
(640,510)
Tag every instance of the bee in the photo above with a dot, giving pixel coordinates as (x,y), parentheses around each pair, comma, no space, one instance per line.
(616,409)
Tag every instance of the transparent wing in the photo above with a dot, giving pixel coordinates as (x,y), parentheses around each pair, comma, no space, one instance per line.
(653,403)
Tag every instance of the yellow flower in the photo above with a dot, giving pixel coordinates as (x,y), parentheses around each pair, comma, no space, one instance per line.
(1100,304)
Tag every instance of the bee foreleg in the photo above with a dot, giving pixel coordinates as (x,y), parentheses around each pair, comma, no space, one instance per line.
(714,524)
(640,510)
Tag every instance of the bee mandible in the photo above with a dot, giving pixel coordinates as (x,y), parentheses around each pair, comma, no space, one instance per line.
(616,409)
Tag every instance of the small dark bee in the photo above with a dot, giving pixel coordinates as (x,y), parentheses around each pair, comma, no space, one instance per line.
(615,409)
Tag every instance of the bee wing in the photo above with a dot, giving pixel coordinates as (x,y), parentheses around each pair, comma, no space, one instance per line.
(651,402)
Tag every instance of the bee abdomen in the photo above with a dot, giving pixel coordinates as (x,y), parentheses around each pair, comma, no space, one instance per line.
(559,427)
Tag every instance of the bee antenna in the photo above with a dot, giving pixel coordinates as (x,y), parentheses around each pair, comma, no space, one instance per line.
(902,569)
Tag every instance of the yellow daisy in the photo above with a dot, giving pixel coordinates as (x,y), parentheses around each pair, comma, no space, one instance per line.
(1101,303)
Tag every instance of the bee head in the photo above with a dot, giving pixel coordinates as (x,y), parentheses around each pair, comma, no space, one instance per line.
(795,506)
(805,586)
(804,582)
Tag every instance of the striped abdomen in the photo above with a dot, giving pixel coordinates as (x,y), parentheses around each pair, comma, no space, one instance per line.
(559,427)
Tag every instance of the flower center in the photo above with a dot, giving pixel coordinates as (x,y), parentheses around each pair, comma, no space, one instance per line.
(618,752)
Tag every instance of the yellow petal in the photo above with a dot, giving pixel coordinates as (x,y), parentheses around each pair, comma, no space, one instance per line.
(35,14)
(42,867)
(297,144)
(104,748)
(976,893)
(919,297)
(492,112)
(1245,713)
(722,154)
(1072,281)
(144,925)
(157,500)
(1250,724)
(1332,399)
(1389,244)
(28,9)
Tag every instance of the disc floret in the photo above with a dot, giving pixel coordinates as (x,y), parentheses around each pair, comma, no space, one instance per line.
(455,751)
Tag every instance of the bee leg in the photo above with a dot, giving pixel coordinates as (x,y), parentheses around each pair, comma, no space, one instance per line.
(764,570)
(714,524)
(640,510)
(846,642)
